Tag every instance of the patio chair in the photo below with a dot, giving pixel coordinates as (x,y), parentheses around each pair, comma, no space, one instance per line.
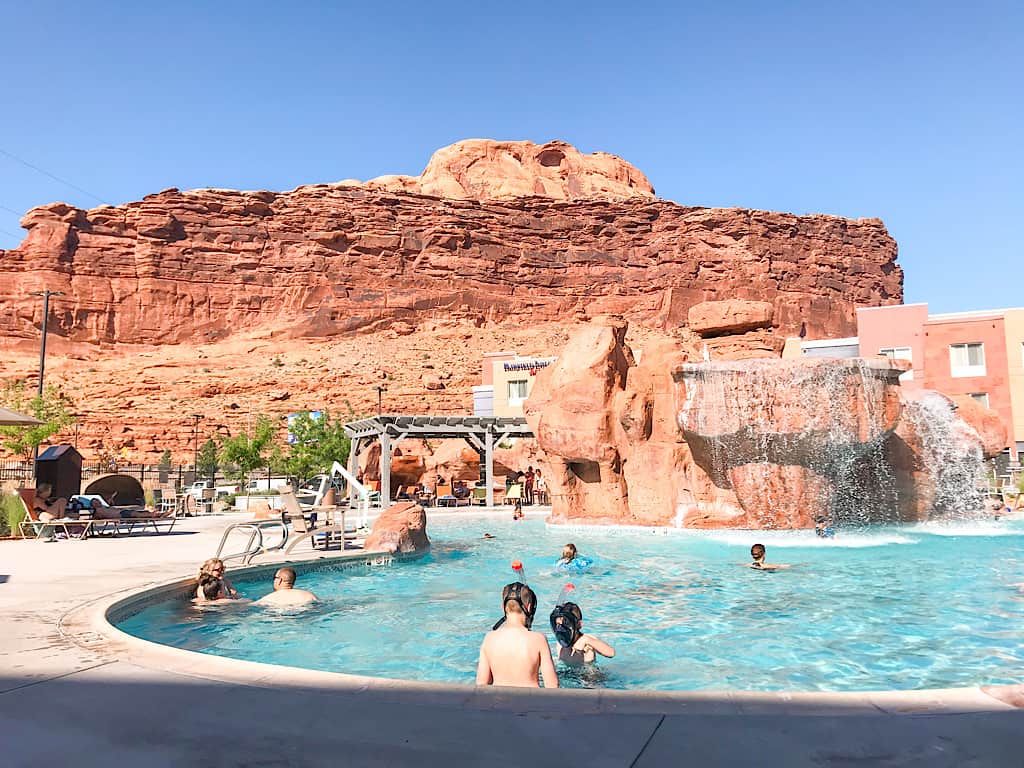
(444,497)
(479,496)
(44,529)
(169,501)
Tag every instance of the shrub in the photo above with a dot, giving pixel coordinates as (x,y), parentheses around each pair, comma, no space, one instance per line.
(12,512)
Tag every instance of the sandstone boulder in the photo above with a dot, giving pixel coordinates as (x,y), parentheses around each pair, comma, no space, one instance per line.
(712,318)
(483,169)
(401,528)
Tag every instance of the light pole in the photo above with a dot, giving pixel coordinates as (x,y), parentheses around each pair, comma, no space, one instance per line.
(46,294)
(195,440)
(381,389)
(76,417)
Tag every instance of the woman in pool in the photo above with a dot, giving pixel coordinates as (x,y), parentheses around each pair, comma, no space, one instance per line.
(571,561)
(210,571)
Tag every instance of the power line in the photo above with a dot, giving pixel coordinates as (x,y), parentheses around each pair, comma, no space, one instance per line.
(6,232)
(11,210)
(55,178)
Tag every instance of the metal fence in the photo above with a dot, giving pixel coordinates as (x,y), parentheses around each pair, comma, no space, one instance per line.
(21,472)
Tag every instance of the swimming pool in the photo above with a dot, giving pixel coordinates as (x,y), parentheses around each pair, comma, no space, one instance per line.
(888,608)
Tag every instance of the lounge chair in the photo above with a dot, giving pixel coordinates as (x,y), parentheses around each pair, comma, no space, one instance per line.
(302,523)
(479,496)
(44,529)
(116,526)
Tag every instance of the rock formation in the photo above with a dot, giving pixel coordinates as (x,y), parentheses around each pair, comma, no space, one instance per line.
(401,528)
(763,443)
(482,169)
(333,259)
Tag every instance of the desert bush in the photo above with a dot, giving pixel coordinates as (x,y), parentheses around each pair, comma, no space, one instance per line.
(12,512)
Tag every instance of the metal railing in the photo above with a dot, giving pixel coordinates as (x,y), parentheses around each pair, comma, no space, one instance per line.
(255,545)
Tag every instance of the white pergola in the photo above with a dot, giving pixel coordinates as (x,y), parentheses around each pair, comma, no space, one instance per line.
(482,433)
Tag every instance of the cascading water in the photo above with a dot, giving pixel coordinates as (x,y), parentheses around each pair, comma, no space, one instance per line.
(799,439)
(951,456)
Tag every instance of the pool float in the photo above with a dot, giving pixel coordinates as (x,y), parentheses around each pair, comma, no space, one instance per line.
(577,565)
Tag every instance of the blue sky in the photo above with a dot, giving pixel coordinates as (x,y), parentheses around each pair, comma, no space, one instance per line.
(912,111)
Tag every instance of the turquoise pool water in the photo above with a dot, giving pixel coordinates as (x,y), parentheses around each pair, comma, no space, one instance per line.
(913,607)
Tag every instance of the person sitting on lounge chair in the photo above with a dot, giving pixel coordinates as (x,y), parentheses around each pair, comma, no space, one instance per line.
(48,509)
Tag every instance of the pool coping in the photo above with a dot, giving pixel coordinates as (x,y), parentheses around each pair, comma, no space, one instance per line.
(92,626)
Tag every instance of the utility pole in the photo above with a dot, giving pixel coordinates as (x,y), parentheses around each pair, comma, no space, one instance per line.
(381,389)
(195,441)
(46,294)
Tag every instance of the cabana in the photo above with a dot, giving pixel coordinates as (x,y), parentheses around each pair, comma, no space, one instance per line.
(117,490)
(482,433)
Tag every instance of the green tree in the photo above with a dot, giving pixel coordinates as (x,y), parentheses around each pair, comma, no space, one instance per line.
(318,443)
(207,459)
(52,408)
(244,453)
(165,459)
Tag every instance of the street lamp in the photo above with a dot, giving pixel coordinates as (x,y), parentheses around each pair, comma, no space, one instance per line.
(381,389)
(42,351)
(195,441)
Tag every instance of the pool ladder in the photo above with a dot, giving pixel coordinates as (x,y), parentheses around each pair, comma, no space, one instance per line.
(256,544)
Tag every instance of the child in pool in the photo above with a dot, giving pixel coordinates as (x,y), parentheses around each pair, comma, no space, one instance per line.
(574,647)
(571,561)
(757,552)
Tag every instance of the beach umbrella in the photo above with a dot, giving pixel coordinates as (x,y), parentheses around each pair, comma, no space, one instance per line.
(9,418)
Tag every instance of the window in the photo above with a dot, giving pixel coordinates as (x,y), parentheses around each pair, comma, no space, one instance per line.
(980,397)
(516,391)
(967,360)
(899,353)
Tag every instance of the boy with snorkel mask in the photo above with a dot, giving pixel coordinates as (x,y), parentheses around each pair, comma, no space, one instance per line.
(512,654)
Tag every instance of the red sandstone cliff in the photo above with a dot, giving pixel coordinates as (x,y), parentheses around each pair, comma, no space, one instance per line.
(333,259)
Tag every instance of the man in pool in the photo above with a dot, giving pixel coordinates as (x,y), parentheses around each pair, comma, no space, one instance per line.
(285,592)
(757,552)
(512,654)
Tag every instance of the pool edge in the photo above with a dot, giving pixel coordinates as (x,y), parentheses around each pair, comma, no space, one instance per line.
(91,626)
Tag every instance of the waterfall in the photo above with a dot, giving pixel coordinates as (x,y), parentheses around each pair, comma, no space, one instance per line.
(951,456)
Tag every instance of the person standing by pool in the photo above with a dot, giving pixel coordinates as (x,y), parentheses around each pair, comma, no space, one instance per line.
(285,592)
(540,486)
(528,479)
(512,654)
(758,553)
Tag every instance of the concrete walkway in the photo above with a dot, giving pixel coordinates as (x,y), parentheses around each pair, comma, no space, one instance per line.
(65,703)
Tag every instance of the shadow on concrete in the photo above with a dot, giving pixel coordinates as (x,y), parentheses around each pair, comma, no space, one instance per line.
(116,714)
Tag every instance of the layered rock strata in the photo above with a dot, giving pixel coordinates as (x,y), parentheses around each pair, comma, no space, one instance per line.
(333,259)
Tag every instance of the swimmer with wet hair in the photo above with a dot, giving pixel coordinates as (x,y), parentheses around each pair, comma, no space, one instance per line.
(511,653)
(757,552)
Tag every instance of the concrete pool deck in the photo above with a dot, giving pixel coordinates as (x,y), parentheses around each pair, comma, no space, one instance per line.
(73,692)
